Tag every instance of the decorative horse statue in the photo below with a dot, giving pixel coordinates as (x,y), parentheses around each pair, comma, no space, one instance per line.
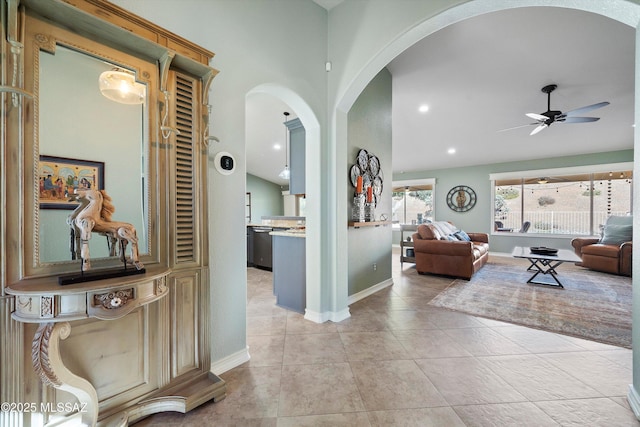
(94,215)
(74,241)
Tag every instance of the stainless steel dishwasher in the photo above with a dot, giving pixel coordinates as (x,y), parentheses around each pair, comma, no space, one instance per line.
(262,253)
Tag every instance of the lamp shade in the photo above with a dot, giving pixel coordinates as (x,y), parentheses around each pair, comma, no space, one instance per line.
(120,86)
(286,173)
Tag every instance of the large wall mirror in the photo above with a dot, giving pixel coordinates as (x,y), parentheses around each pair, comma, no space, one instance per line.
(82,138)
(104,142)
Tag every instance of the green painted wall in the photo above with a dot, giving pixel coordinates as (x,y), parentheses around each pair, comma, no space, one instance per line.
(480,218)
(266,198)
(369,128)
(251,49)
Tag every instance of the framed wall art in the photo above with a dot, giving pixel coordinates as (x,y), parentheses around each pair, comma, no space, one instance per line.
(59,177)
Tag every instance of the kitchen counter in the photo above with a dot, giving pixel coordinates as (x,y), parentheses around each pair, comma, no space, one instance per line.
(283,221)
(292,232)
(260,235)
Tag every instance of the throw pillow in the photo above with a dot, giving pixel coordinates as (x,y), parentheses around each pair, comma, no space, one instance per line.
(428,232)
(424,232)
(462,236)
(617,234)
(620,220)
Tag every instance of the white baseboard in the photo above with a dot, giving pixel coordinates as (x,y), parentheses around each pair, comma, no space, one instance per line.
(634,401)
(334,316)
(227,363)
(315,316)
(339,316)
(369,291)
(504,254)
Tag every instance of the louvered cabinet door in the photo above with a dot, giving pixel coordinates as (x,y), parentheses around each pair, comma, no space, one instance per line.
(187,197)
(188,282)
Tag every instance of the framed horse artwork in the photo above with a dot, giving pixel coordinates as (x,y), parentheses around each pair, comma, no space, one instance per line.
(60,177)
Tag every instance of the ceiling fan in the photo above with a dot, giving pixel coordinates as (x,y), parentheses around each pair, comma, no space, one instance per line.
(545,180)
(544,120)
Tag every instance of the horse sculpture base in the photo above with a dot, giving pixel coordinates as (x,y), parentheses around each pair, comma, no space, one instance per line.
(89,276)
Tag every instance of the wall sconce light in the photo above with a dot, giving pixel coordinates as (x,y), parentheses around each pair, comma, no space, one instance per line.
(121,86)
(286,173)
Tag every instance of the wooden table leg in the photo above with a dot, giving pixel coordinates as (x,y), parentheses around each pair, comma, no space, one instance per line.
(45,355)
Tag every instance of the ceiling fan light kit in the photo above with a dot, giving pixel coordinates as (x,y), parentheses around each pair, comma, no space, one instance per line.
(546,119)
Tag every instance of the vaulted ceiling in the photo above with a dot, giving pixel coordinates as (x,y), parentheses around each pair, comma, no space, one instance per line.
(479,77)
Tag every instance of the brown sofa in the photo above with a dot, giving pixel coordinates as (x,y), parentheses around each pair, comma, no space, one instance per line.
(435,253)
(612,252)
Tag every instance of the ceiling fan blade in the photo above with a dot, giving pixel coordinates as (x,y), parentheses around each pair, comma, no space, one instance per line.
(578,119)
(539,128)
(538,117)
(585,109)
(517,127)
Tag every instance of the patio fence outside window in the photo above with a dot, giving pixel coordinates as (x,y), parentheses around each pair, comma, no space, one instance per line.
(559,222)
(575,204)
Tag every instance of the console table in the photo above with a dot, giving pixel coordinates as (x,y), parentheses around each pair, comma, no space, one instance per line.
(53,307)
(410,229)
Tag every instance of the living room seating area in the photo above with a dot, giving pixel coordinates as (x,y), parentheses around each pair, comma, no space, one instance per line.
(441,248)
(612,252)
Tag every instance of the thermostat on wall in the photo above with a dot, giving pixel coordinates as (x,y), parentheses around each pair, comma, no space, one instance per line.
(225,163)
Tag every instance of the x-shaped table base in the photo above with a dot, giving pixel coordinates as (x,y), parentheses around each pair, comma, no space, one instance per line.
(546,267)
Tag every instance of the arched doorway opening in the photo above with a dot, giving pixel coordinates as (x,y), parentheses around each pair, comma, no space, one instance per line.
(625,12)
(312,177)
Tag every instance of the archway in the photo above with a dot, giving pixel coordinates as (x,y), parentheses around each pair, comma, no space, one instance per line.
(623,11)
(313,182)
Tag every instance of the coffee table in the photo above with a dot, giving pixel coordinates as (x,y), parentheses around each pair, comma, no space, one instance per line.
(545,264)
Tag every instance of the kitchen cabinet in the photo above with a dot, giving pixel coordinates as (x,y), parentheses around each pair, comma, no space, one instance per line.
(118,348)
(290,271)
(297,156)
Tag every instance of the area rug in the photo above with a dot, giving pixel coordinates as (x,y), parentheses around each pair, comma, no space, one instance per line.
(593,305)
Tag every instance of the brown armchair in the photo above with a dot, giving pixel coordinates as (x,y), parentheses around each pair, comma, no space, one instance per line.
(436,254)
(612,253)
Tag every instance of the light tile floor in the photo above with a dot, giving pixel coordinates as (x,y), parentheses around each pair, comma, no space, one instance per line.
(399,362)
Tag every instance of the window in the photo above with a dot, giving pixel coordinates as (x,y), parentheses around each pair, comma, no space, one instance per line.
(301,200)
(573,202)
(247,208)
(412,202)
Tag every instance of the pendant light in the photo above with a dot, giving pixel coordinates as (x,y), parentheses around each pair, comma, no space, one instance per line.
(286,173)
(121,86)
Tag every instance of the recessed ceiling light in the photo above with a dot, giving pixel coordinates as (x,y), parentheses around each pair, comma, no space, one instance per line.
(277,147)
(451,151)
(423,108)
